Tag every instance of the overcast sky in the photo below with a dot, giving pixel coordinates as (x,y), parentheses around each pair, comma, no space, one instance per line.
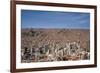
(54,19)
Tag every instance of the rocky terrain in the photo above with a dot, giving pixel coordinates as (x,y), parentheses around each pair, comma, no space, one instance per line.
(40,45)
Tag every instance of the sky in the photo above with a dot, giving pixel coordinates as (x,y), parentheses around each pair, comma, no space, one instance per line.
(54,19)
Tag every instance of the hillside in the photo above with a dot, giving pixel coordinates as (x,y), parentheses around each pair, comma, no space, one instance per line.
(58,43)
(37,36)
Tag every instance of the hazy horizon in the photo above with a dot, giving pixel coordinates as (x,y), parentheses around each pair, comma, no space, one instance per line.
(53,28)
